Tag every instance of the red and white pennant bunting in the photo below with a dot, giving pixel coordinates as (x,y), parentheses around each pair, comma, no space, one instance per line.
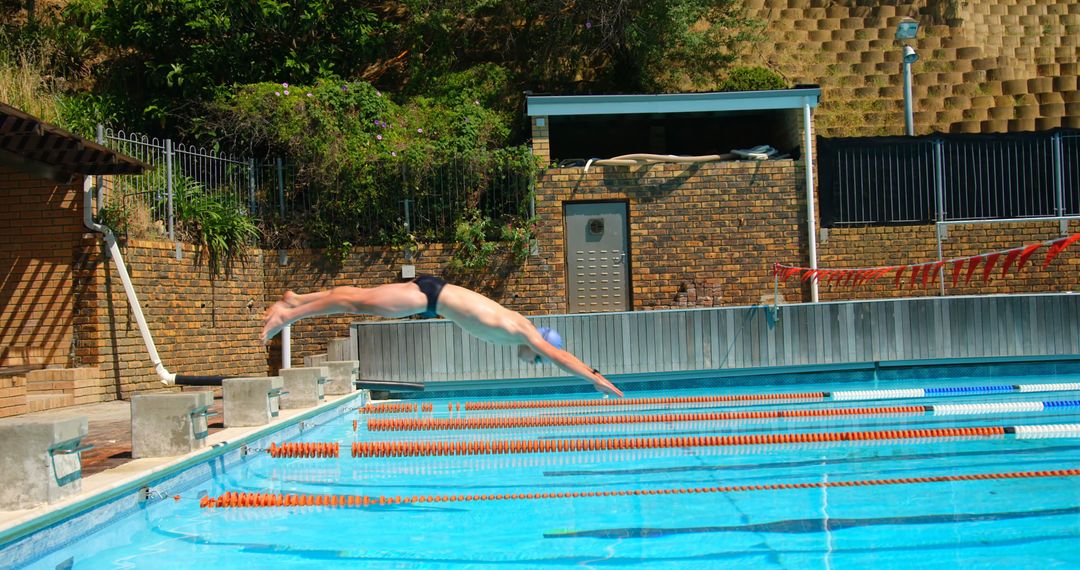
(927,273)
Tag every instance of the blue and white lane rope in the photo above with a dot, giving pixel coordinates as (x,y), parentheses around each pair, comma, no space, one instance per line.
(667,402)
(1047,431)
(949,391)
(998,407)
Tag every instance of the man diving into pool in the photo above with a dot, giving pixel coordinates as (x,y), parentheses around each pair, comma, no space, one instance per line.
(428,297)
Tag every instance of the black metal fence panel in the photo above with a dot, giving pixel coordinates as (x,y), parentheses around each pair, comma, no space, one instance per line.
(920,180)
(875,181)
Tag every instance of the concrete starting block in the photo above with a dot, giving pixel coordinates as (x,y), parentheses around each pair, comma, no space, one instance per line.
(342,375)
(315,360)
(39,460)
(251,401)
(303,386)
(164,425)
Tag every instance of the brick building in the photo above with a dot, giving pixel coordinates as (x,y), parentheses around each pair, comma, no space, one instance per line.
(42,172)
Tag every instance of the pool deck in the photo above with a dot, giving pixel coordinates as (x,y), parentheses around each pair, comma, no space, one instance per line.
(109,464)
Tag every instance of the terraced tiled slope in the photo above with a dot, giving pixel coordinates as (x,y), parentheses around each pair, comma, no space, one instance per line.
(984,65)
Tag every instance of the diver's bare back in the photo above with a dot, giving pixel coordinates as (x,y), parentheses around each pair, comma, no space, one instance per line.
(481,317)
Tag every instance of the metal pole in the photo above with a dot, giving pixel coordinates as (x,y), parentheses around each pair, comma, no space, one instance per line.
(286,347)
(909,119)
(280,187)
(1059,185)
(408,228)
(939,190)
(811,227)
(251,186)
(169,189)
(99,179)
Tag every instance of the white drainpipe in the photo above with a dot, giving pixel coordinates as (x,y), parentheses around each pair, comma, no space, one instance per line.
(286,347)
(167,377)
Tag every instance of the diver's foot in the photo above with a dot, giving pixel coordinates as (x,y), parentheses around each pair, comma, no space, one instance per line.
(274,320)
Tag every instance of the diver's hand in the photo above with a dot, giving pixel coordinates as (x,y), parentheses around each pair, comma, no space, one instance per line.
(603,385)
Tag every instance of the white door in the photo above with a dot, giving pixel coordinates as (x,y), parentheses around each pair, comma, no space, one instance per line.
(596,256)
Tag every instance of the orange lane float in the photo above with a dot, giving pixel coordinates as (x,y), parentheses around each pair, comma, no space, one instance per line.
(531,405)
(232,499)
(305,449)
(432,424)
(442,448)
(388,408)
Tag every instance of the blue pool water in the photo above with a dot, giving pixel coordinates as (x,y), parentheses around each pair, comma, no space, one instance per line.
(998,523)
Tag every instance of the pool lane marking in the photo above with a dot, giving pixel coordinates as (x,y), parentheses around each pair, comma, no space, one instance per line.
(394,408)
(304,449)
(841,395)
(446,448)
(238,500)
(487,447)
(445,424)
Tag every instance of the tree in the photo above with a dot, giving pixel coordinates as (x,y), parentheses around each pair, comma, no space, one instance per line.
(178,52)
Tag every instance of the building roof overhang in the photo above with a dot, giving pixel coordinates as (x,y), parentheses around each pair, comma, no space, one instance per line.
(577,105)
(32,145)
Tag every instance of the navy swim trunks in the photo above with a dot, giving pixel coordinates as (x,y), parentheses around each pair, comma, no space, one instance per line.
(430,286)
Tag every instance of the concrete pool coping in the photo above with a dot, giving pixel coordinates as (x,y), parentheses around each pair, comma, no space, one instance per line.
(131,475)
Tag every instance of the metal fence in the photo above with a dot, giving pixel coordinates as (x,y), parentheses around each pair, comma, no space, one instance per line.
(180,169)
(940,178)
(423,201)
(730,340)
(426,202)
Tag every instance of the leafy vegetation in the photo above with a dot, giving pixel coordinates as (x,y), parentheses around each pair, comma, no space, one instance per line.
(215,221)
(371,100)
(752,79)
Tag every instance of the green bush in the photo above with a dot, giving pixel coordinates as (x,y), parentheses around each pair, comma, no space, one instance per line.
(473,251)
(216,221)
(355,145)
(752,79)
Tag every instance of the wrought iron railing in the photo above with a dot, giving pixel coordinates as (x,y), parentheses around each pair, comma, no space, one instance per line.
(425,202)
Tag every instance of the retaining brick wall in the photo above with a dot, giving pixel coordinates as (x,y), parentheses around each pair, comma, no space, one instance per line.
(40,227)
(201,325)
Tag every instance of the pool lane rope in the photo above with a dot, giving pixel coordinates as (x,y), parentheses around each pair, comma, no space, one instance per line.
(477,447)
(448,448)
(842,395)
(257,500)
(446,424)
(394,408)
(304,449)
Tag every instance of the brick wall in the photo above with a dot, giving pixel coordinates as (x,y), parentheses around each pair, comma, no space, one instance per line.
(40,229)
(900,245)
(523,287)
(201,325)
(701,235)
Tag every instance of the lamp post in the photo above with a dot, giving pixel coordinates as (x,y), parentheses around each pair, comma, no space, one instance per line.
(906,30)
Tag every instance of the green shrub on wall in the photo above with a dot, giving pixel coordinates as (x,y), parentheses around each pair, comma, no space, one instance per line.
(751,79)
(215,221)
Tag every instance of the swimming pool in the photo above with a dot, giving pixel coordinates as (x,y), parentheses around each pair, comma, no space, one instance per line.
(805,474)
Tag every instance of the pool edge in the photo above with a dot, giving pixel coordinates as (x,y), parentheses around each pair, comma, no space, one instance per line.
(65,510)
